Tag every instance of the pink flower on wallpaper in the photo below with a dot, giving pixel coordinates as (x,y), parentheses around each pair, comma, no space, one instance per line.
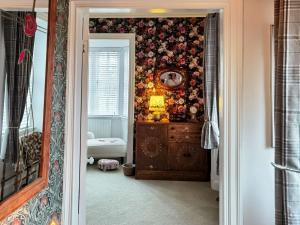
(56,165)
(181,61)
(140,54)
(30,25)
(181,93)
(172,39)
(193,82)
(16,221)
(151,30)
(182,30)
(181,46)
(59,68)
(150,62)
(193,51)
(152,45)
(161,36)
(44,200)
(181,109)
(197,105)
(105,28)
(170,23)
(195,74)
(141,24)
(121,30)
(140,85)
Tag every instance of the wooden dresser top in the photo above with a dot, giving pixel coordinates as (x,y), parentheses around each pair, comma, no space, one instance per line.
(169,123)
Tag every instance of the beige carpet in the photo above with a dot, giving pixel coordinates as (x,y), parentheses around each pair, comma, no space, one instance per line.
(113,199)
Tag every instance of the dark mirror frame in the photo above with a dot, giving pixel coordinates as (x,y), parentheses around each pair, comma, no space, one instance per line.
(18,199)
(180,71)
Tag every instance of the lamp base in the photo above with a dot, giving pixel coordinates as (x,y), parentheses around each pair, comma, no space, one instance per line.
(156,117)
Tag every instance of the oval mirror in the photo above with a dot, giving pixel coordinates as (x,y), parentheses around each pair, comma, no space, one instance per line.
(171,79)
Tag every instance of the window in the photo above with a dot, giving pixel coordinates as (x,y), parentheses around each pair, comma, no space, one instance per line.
(105,66)
(27,116)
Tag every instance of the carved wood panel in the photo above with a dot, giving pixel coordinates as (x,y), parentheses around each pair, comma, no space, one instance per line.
(152,150)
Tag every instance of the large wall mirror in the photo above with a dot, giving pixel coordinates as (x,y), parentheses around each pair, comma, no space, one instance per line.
(27,39)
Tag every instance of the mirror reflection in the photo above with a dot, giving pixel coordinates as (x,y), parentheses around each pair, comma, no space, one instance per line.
(23,46)
(171,79)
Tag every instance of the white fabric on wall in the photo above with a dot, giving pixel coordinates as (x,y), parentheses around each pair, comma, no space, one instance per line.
(214,176)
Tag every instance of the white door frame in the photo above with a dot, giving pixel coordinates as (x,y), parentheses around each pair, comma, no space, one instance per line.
(131,93)
(230,97)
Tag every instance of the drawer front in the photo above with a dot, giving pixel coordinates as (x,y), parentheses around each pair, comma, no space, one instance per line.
(151,130)
(185,137)
(151,147)
(185,128)
(188,157)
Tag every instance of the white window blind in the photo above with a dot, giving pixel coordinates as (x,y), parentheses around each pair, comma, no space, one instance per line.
(104,81)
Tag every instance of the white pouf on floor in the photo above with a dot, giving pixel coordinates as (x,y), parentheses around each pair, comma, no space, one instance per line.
(108,164)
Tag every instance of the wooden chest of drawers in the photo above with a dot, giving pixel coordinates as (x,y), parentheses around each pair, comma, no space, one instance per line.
(171,151)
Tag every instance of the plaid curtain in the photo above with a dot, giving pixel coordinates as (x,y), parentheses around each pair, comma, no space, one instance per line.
(210,131)
(18,78)
(287,111)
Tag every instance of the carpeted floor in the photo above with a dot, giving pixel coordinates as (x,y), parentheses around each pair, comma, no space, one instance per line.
(113,199)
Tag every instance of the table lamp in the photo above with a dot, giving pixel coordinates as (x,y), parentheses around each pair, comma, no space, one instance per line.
(157,106)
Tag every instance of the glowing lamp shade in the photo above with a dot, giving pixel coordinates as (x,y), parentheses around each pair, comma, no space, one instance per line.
(157,104)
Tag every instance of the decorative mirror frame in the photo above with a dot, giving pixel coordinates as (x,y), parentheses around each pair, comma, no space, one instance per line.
(18,199)
(182,72)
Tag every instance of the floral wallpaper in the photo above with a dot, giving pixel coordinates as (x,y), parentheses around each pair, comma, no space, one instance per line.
(163,43)
(47,205)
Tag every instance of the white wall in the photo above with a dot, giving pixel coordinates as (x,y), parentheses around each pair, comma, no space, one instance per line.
(258,175)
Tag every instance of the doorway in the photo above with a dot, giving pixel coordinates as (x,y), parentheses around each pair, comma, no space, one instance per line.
(224,185)
(110,92)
